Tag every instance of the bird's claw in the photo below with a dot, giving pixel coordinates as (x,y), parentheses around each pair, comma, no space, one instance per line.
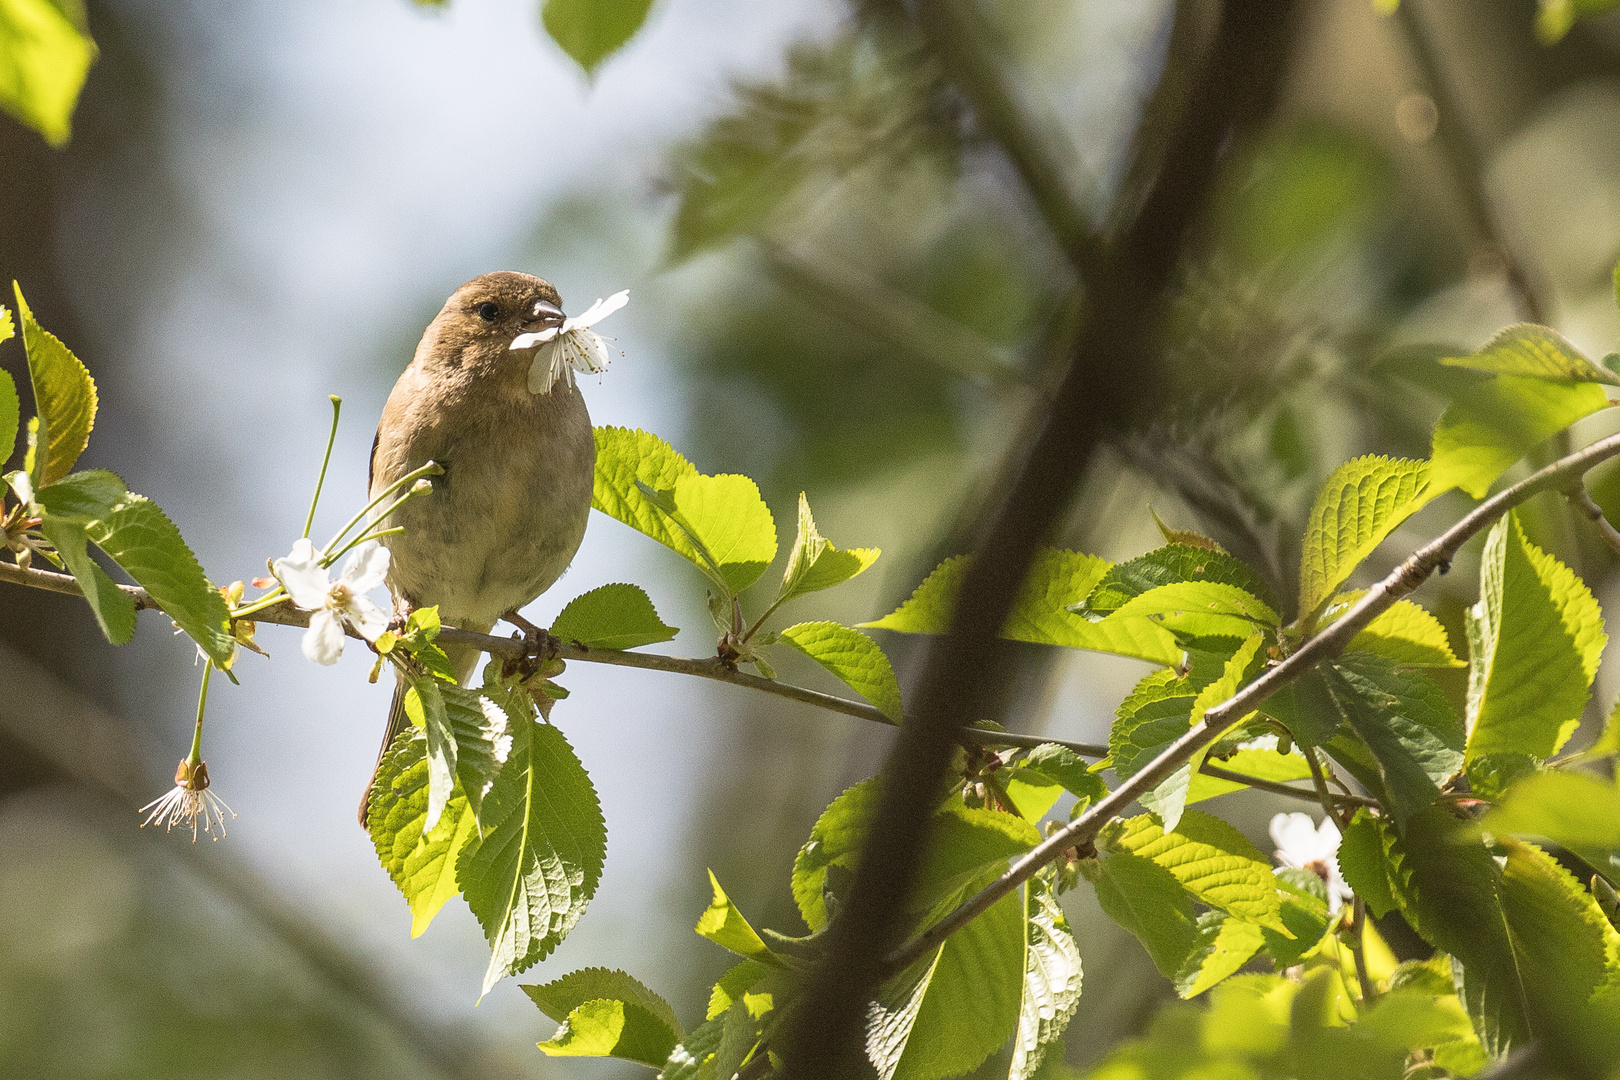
(540,649)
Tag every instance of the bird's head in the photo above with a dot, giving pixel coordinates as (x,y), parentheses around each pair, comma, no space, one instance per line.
(477,325)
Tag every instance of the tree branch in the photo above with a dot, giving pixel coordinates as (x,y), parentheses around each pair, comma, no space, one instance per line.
(512,648)
(1111,375)
(1406,577)
(1276,788)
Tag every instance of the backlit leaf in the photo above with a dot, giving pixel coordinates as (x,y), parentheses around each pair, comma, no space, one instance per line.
(1405,633)
(815,563)
(612,617)
(607,1013)
(1537,351)
(1359,505)
(64,395)
(1221,946)
(1147,900)
(113,608)
(1493,422)
(1177,561)
(724,925)
(421,864)
(853,657)
(44,59)
(592,30)
(1535,637)
(1214,862)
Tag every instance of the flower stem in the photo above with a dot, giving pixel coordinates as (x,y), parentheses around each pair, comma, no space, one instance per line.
(320,481)
(432,468)
(195,757)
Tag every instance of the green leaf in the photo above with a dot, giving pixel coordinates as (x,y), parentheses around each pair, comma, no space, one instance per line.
(1576,810)
(957,1005)
(64,395)
(10,406)
(540,859)
(718,523)
(735,985)
(592,30)
(693,1058)
(1359,505)
(1362,863)
(724,925)
(1535,637)
(1052,974)
(612,617)
(1536,351)
(142,540)
(1170,796)
(421,863)
(815,563)
(1221,946)
(1200,609)
(1304,912)
(1057,580)
(44,59)
(834,844)
(113,608)
(481,730)
(82,497)
(607,1013)
(425,707)
(1064,767)
(1214,862)
(1494,421)
(1405,633)
(1147,900)
(853,657)
(1175,562)
(1405,720)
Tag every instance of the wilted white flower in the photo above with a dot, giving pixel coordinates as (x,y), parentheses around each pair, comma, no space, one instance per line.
(335,602)
(189,802)
(1304,846)
(571,347)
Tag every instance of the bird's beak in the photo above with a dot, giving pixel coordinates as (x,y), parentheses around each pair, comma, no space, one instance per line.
(543,316)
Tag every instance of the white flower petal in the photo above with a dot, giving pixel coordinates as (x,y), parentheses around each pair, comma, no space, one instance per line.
(1296,839)
(587,352)
(323,641)
(543,369)
(365,616)
(539,337)
(302,575)
(597,311)
(367,567)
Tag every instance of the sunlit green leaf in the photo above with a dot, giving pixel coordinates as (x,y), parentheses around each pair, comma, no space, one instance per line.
(1555,18)
(1257,758)
(1057,580)
(815,563)
(1304,911)
(1405,633)
(421,864)
(592,30)
(607,1013)
(853,657)
(612,617)
(64,395)
(1535,637)
(1214,862)
(540,859)
(1200,609)
(113,608)
(729,522)
(1175,562)
(724,925)
(1537,351)
(1359,505)
(1221,946)
(1052,976)
(1058,765)
(424,705)
(1576,810)
(1493,422)
(10,409)
(44,59)
(1147,900)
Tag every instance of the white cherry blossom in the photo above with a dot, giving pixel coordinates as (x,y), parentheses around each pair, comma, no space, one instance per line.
(1304,846)
(189,802)
(574,346)
(335,602)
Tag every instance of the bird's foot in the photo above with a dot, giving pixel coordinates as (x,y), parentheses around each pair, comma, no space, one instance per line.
(540,649)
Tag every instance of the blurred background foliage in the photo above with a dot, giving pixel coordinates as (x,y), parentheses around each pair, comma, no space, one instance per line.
(841,285)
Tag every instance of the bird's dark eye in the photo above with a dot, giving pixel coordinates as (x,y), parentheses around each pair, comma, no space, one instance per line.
(489,312)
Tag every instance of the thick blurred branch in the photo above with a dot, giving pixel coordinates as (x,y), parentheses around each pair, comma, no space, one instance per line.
(1406,577)
(1110,378)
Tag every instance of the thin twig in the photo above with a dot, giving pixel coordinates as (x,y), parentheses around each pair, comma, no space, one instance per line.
(712,668)
(1588,508)
(1358,951)
(1277,788)
(1329,643)
(1323,795)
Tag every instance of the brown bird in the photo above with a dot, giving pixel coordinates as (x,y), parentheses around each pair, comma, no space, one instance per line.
(505,518)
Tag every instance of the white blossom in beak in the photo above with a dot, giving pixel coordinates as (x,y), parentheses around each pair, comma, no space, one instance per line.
(574,346)
(1304,846)
(335,602)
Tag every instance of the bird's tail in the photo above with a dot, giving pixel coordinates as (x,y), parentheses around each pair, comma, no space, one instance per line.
(465,660)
